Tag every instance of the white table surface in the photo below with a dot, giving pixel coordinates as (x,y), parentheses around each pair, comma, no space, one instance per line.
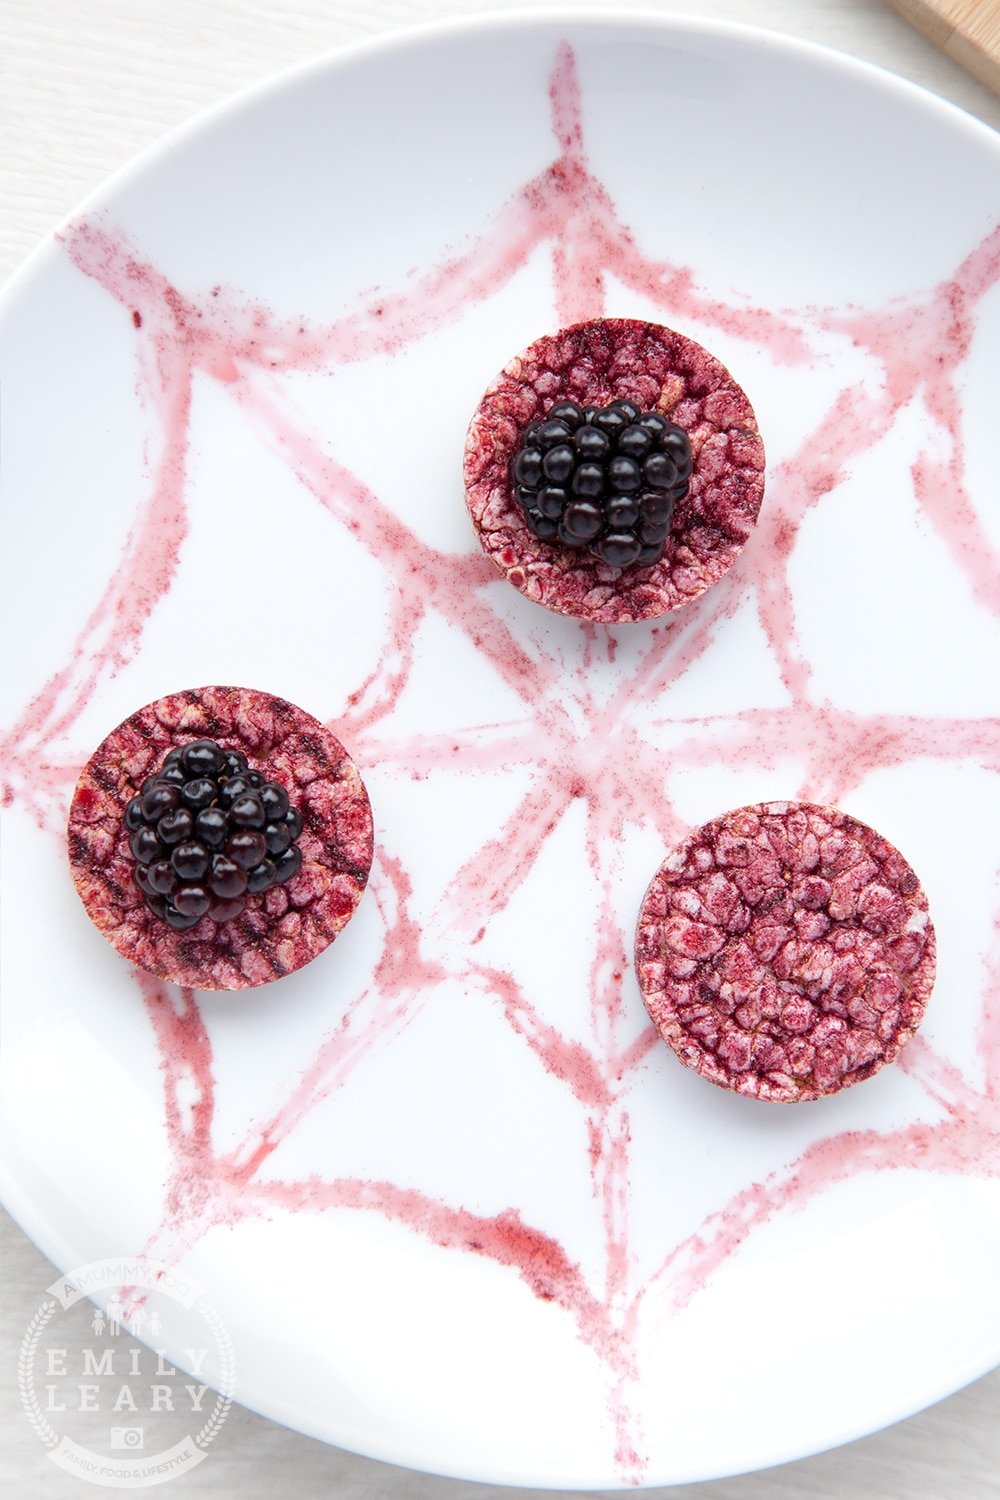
(84,85)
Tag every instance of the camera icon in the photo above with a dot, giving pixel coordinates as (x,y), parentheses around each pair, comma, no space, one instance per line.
(126,1437)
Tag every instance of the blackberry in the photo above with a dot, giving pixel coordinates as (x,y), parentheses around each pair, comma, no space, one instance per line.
(207,831)
(603,478)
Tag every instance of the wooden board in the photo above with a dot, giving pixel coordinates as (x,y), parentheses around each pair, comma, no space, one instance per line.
(968,30)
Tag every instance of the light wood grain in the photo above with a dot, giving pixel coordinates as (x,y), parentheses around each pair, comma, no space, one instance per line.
(968,30)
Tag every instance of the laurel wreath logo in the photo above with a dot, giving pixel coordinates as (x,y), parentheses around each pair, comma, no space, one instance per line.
(25,1374)
(48,1435)
(227,1380)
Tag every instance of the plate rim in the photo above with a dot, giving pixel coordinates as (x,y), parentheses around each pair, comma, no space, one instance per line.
(30,1218)
(406,37)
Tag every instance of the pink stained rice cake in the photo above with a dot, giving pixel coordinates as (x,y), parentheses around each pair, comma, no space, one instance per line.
(659,370)
(283,927)
(785,951)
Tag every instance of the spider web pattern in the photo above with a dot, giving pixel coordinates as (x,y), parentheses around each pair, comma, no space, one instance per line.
(565,740)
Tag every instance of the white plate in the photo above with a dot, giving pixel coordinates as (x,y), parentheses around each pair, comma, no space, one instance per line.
(455,1108)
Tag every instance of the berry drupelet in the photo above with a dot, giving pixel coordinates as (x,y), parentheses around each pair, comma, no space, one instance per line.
(603,478)
(206,831)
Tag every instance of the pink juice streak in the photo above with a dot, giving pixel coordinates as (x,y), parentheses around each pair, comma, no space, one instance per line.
(504,1238)
(921,346)
(581,749)
(111,634)
(402,982)
(448,583)
(964,1141)
(837,747)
